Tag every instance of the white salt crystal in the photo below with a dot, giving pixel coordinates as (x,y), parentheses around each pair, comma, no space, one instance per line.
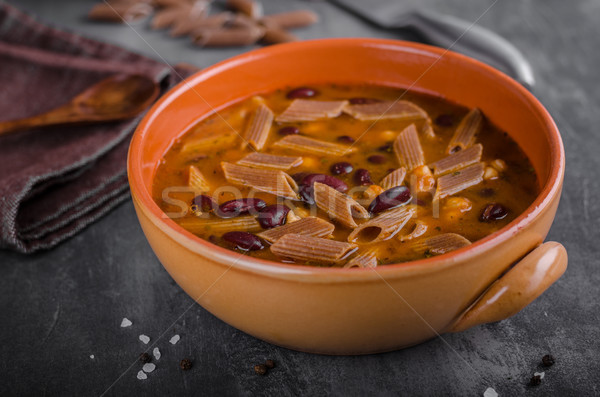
(156,353)
(92,356)
(489,392)
(149,367)
(174,339)
(541,374)
(144,339)
(141,375)
(125,322)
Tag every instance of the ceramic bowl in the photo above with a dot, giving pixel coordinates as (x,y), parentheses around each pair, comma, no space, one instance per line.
(357,311)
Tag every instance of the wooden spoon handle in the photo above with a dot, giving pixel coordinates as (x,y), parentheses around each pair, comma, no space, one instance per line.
(60,115)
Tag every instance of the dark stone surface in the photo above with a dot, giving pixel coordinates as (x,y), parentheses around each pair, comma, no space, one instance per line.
(61,306)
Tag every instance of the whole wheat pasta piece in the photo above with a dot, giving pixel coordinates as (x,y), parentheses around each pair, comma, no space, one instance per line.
(313,249)
(311,226)
(427,130)
(393,179)
(310,110)
(290,19)
(403,110)
(440,244)
(457,181)
(264,160)
(464,136)
(338,205)
(168,17)
(259,126)
(458,160)
(384,226)
(197,181)
(271,181)
(210,143)
(364,259)
(408,148)
(220,226)
(310,145)
(419,230)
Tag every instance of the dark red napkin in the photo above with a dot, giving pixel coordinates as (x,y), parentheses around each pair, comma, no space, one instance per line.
(55,181)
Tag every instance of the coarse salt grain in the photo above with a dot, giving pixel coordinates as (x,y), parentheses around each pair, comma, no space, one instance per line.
(125,322)
(144,339)
(141,375)
(489,392)
(174,339)
(540,374)
(149,367)
(156,353)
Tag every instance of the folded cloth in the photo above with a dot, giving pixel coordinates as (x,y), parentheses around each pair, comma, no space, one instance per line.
(54,181)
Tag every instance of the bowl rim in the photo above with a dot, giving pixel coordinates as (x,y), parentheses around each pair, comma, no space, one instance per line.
(142,197)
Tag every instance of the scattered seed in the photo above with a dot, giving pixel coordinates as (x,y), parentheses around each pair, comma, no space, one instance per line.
(540,374)
(174,339)
(535,380)
(156,353)
(548,360)
(185,364)
(149,367)
(260,369)
(270,364)
(145,339)
(126,322)
(490,392)
(145,358)
(141,375)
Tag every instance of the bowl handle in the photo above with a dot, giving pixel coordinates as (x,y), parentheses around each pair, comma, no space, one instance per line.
(516,288)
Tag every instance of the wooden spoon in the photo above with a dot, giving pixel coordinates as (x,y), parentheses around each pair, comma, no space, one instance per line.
(115,98)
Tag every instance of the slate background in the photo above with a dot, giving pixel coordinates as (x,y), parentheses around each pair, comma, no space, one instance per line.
(59,307)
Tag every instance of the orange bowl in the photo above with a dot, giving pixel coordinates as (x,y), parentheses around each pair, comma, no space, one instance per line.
(356,311)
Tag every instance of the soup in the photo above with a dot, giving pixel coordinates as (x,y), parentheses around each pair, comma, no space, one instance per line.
(346,176)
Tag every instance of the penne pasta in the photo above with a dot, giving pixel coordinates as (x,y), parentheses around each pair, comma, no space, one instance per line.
(271,181)
(311,226)
(362,260)
(419,230)
(259,126)
(464,136)
(311,249)
(440,244)
(310,145)
(457,181)
(264,160)
(196,180)
(310,110)
(404,110)
(210,143)
(393,179)
(458,160)
(220,226)
(408,148)
(384,226)
(338,206)
(427,130)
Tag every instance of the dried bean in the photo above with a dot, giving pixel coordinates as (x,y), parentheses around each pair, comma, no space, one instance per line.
(244,241)
(363,177)
(328,180)
(363,101)
(376,159)
(306,194)
(302,92)
(289,130)
(346,139)
(493,212)
(341,168)
(388,147)
(233,208)
(391,198)
(204,203)
(273,215)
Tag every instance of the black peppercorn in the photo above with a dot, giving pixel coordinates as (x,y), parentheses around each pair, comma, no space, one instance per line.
(548,360)
(535,380)
(270,364)
(185,364)
(260,369)
(145,358)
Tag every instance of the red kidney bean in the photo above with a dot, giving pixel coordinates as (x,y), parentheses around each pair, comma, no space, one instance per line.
(493,212)
(444,120)
(391,198)
(299,176)
(362,177)
(341,168)
(328,180)
(388,147)
(455,149)
(363,101)
(273,215)
(233,208)
(289,130)
(306,194)
(346,139)
(302,92)
(244,241)
(376,159)
(204,203)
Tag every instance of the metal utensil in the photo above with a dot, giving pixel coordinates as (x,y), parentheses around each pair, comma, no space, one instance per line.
(447,32)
